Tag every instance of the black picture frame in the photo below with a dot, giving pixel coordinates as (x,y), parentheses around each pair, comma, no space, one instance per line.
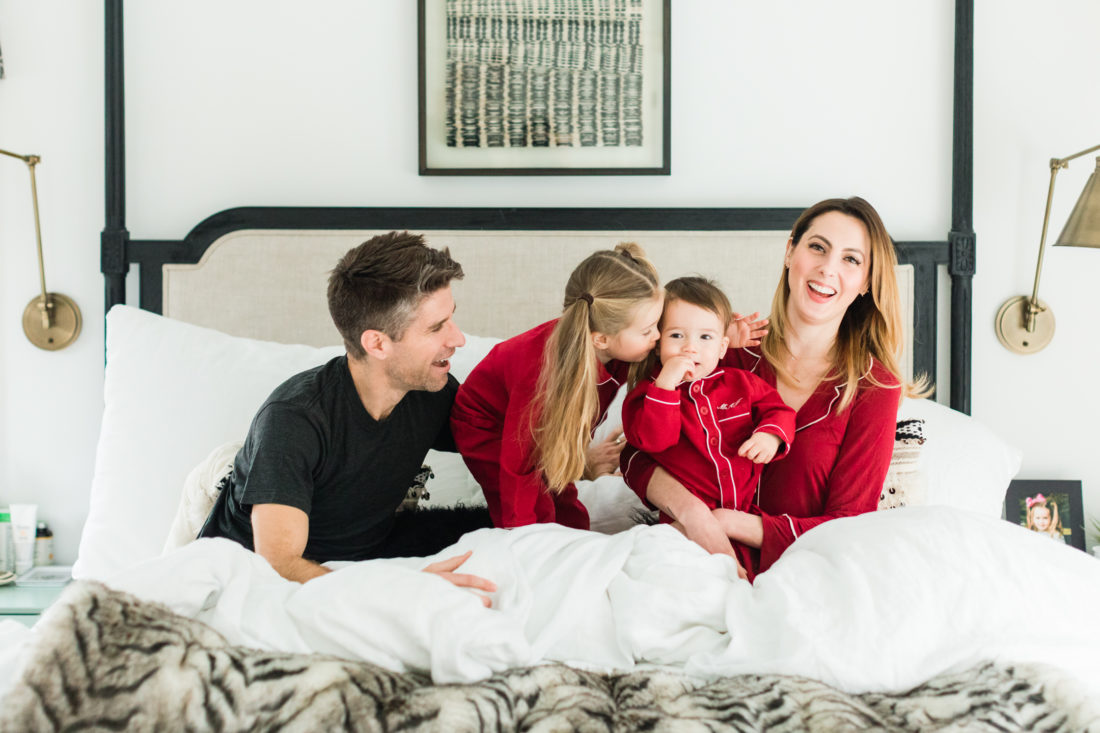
(1066,495)
(440,134)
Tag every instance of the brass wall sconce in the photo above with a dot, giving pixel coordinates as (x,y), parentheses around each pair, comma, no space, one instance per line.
(1026,325)
(51,321)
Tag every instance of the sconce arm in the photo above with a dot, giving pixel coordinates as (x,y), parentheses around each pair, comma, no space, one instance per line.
(45,305)
(1056,164)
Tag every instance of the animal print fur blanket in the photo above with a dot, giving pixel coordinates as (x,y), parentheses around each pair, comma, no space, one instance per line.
(106,660)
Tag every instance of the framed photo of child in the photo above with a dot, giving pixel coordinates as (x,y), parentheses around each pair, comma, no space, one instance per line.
(1052,508)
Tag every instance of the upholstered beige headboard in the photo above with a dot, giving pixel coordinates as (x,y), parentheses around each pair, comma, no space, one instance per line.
(270,284)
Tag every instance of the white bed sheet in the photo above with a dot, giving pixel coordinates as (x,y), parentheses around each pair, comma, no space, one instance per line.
(880,602)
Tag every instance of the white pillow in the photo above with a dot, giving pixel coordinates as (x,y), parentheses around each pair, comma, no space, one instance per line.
(172,393)
(966,464)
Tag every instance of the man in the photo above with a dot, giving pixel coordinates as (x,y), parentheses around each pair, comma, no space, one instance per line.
(332,452)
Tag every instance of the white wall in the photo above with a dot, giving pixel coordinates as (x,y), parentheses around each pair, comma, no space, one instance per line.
(261,102)
(1037,98)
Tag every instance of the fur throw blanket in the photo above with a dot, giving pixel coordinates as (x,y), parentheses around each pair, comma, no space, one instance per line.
(106,660)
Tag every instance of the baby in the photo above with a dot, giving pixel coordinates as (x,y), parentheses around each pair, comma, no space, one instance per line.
(712,428)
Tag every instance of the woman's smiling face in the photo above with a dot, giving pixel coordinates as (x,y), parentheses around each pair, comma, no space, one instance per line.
(828,268)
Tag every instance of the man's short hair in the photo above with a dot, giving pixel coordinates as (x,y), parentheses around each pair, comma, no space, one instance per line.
(379,284)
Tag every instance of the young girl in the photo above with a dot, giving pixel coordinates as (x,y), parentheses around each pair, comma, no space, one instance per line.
(524,418)
(1042,517)
(710,427)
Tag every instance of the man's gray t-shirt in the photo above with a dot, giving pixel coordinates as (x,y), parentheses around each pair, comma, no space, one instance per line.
(313,446)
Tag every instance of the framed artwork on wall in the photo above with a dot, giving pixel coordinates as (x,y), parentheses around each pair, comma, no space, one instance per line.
(1053,508)
(554,87)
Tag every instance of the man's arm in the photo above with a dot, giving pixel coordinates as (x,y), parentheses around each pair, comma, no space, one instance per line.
(279,535)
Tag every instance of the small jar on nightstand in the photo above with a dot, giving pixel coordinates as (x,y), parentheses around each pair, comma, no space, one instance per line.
(43,545)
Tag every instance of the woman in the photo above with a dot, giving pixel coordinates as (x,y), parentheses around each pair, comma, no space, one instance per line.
(524,417)
(832,353)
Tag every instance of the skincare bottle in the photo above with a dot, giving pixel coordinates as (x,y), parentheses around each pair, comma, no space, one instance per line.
(43,545)
(23,526)
(7,545)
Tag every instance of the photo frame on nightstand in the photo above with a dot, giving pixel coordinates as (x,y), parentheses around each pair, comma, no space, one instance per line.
(1053,508)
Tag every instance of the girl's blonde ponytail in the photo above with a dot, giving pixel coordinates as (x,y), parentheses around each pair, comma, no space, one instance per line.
(603,294)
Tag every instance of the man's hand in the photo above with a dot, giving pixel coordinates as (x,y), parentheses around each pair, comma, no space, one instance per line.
(674,371)
(760,448)
(445,569)
(602,458)
(746,330)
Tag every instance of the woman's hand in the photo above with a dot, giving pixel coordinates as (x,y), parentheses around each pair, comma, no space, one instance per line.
(746,330)
(701,527)
(602,459)
(445,569)
(748,529)
(720,544)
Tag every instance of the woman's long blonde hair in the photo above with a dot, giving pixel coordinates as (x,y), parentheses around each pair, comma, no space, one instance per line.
(603,295)
(872,325)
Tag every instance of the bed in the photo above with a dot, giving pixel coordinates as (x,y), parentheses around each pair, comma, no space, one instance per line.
(912,617)
(933,612)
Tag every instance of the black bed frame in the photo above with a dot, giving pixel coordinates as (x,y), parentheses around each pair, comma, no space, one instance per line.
(118,251)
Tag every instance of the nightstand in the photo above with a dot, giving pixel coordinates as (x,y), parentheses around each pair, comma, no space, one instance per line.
(25,604)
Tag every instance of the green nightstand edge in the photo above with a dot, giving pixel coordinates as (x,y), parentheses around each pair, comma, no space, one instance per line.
(25,604)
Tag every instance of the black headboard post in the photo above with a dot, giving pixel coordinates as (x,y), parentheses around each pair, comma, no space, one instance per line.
(114,261)
(961,237)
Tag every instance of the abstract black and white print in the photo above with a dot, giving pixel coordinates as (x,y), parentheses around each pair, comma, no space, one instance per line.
(544,73)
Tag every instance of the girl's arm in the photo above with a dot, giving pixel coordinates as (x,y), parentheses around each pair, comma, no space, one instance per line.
(523,494)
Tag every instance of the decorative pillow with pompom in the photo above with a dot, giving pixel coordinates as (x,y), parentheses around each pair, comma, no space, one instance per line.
(905,484)
(418,491)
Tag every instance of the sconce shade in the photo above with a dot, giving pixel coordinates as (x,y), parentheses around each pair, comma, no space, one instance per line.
(1083,227)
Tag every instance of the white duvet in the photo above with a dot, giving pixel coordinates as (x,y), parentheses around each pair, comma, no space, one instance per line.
(880,602)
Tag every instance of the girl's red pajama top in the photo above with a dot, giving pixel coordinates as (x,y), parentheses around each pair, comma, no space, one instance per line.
(492,429)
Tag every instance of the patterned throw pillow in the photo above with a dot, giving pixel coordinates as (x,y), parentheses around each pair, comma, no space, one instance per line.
(905,485)
(418,490)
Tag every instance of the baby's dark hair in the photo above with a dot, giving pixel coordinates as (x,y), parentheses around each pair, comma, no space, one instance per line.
(701,292)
